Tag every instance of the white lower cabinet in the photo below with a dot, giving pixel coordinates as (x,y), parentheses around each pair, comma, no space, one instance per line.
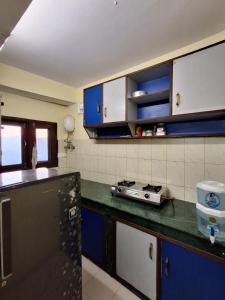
(136,258)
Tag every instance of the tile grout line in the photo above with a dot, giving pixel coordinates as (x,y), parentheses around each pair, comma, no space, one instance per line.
(116,291)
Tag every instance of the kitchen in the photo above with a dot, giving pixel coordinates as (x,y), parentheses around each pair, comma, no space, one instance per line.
(124,138)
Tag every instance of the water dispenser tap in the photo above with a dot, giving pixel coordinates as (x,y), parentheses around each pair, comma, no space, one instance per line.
(212,235)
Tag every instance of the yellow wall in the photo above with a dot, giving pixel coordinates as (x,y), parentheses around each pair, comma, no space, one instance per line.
(25,107)
(80,132)
(22,107)
(25,81)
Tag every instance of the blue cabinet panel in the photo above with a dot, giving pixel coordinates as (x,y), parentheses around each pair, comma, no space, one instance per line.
(93,105)
(93,235)
(153,111)
(196,127)
(189,276)
(155,85)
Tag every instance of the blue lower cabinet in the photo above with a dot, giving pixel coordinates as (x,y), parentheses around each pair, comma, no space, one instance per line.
(93,105)
(189,276)
(93,235)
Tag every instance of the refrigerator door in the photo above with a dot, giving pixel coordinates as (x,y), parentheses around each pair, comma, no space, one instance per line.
(45,260)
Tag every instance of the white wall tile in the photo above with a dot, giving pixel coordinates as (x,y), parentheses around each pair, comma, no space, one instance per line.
(158,149)
(109,149)
(62,162)
(158,171)
(132,168)
(194,150)
(215,150)
(194,173)
(121,164)
(102,164)
(215,172)
(190,195)
(176,192)
(132,150)
(175,173)
(178,163)
(144,170)
(145,149)
(119,150)
(111,165)
(175,150)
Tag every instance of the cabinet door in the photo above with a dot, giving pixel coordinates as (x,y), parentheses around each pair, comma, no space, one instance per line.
(187,275)
(199,79)
(93,105)
(136,256)
(114,100)
(93,235)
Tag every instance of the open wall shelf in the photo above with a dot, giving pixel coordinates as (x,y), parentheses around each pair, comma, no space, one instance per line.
(156,83)
(176,127)
(152,97)
(110,132)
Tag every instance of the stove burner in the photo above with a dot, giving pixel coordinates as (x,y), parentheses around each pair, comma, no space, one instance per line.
(126,183)
(152,188)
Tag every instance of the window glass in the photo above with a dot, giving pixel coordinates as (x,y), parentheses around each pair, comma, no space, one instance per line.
(11,145)
(42,144)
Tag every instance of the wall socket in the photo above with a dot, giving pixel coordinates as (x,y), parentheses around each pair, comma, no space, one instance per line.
(80,108)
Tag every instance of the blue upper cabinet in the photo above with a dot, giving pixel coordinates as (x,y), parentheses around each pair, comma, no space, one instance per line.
(93,105)
(189,276)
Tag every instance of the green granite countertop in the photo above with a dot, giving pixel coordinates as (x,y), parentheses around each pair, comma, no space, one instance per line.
(175,218)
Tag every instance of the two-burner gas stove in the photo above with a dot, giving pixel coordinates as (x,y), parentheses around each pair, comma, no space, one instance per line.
(153,194)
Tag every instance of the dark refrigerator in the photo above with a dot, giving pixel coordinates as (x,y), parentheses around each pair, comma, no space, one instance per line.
(40,240)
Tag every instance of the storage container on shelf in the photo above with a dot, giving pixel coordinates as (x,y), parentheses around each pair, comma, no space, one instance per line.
(211,210)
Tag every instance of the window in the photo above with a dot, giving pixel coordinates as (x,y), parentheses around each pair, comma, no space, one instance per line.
(42,144)
(19,136)
(11,145)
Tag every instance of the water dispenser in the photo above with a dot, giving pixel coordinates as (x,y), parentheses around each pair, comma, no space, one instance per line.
(211,210)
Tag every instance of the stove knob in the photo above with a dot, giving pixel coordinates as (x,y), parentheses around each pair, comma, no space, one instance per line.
(147,196)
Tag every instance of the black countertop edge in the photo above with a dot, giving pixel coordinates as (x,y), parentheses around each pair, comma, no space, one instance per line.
(18,179)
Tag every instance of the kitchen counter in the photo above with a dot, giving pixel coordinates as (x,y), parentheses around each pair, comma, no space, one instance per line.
(15,179)
(176,219)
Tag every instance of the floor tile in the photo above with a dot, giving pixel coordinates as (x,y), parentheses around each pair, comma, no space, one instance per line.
(85,297)
(86,276)
(89,266)
(101,287)
(88,270)
(124,294)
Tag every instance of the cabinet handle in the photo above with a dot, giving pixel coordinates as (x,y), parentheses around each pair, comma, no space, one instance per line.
(167,266)
(177,99)
(105,112)
(150,250)
(5,238)
(98,109)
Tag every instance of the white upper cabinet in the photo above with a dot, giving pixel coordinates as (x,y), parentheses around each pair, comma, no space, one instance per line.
(114,100)
(199,81)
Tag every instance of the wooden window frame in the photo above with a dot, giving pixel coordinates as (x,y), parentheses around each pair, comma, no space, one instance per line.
(28,141)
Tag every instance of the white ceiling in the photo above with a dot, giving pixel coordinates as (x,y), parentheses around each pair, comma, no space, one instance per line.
(80,41)
(10,13)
